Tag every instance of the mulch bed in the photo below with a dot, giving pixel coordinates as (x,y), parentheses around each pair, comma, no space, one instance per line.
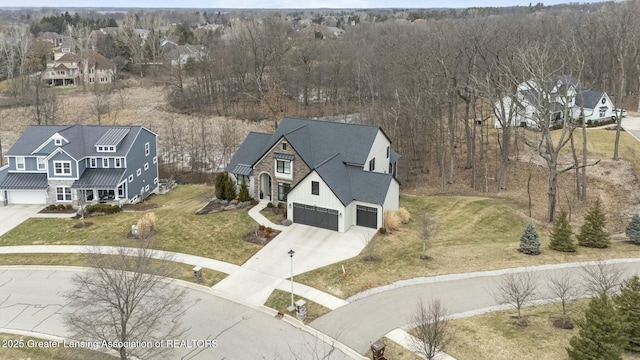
(257,237)
(560,325)
(56,211)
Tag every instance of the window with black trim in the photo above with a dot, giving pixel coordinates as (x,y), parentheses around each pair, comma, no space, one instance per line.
(284,146)
(388,152)
(283,166)
(315,188)
(372,164)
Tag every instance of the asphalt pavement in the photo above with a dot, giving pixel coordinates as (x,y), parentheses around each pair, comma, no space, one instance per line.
(31,301)
(373,314)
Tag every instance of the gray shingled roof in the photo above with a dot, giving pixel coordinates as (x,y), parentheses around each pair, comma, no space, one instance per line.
(82,139)
(99,179)
(589,99)
(250,151)
(25,181)
(328,147)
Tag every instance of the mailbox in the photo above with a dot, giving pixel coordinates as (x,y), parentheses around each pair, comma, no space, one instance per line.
(377,349)
(197,274)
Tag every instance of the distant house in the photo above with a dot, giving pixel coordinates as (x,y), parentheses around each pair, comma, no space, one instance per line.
(66,164)
(180,54)
(328,174)
(557,97)
(68,69)
(52,37)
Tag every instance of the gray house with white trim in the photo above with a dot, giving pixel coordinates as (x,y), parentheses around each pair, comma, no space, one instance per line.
(62,164)
(329,174)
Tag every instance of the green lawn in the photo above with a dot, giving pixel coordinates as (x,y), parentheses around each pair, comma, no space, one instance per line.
(217,236)
(472,234)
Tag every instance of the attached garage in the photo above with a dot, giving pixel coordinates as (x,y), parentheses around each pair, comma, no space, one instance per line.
(26,197)
(315,216)
(367,216)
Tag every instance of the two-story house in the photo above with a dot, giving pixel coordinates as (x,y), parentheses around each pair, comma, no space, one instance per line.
(329,174)
(68,69)
(72,164)
(557,98)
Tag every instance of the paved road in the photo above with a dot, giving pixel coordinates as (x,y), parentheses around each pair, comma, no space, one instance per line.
(30,300)
(369,318)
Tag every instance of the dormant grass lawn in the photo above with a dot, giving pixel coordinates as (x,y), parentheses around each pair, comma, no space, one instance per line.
(493,335)
(472,234)
(184,272)
(216,236)
(42,353)
(394,351)
(600,143)
(281,300)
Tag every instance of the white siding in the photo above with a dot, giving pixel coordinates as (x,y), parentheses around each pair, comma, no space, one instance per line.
(391,201)
(302,194)
(352,210)
(379,152)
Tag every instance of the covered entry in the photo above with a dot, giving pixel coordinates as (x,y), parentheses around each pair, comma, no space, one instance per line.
(315,216)
(367,216)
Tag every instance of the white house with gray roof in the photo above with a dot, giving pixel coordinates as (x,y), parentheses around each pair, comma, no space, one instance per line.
(61,164)
(557,97)
(329,174)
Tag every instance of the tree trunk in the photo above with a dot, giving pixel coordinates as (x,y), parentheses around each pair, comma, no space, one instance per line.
(501,184)
(620,105)
(583,193)
(576,165)
(553,188)
(468,135)
(452,138)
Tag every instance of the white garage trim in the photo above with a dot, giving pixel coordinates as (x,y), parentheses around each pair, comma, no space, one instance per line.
(26,196)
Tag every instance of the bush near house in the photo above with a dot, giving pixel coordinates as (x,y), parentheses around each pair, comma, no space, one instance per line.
(243,195)
(225,187)
(102,208)
(633,229)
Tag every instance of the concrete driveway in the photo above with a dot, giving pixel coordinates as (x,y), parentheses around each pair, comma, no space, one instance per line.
(256,279)
(13,215)
(32,302)
(631,124)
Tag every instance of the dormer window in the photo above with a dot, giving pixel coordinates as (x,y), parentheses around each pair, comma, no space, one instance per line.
(105,148)
(57,142)
(20,164)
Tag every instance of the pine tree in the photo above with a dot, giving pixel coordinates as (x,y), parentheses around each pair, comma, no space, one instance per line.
(628,305)
(220,183)
(530,241)
(229,188)
(633,229)
(243,195)
(602,332)
(592,232)
(561,235)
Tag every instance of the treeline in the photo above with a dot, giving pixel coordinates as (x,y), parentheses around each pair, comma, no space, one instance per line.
(61,23)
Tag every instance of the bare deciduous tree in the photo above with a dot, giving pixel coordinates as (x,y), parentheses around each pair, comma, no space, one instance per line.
(563,287)
(602,277)
(125,298)
(427,228)
(431,327)
(517,290)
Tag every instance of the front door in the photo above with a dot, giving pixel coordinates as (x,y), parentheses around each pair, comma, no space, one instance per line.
(265,187)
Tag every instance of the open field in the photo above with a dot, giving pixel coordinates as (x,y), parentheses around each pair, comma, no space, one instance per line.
(42,353)
(472,234)
(217,236)
(493,336)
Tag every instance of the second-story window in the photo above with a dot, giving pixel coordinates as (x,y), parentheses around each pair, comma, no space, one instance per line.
(20,165)
(42,165)
(283,167)
(117,162)
(105,162)
(62,167)
(372,164)
(146,149)
(93,163)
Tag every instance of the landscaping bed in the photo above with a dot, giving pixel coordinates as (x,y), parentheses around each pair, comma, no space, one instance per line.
(58,209)
(260,235)
(217,205)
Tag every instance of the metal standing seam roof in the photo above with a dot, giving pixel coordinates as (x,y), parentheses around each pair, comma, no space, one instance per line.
(281,156)
(25,181)
(242,169)
(112,137)
(99,178)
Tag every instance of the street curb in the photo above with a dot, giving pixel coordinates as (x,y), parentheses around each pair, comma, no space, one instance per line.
(57,339)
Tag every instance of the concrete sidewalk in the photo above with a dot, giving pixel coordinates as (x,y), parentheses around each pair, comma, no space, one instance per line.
(255,214)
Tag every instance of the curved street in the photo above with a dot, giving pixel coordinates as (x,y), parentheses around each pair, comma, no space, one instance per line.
(241,331)
(381,310)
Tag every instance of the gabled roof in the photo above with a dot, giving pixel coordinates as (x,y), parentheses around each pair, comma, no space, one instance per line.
(589,99)
(82,140)
(336,151)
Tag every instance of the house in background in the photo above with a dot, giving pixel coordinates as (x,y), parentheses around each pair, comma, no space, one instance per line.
(328,174)
(68,68)
(557,97)
(73,164)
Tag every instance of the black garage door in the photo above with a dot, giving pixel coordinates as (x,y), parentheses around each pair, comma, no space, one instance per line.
(367,216)
(315,216)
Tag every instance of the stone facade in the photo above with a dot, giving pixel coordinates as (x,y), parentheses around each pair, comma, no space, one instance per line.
(267,165)
(52,196)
